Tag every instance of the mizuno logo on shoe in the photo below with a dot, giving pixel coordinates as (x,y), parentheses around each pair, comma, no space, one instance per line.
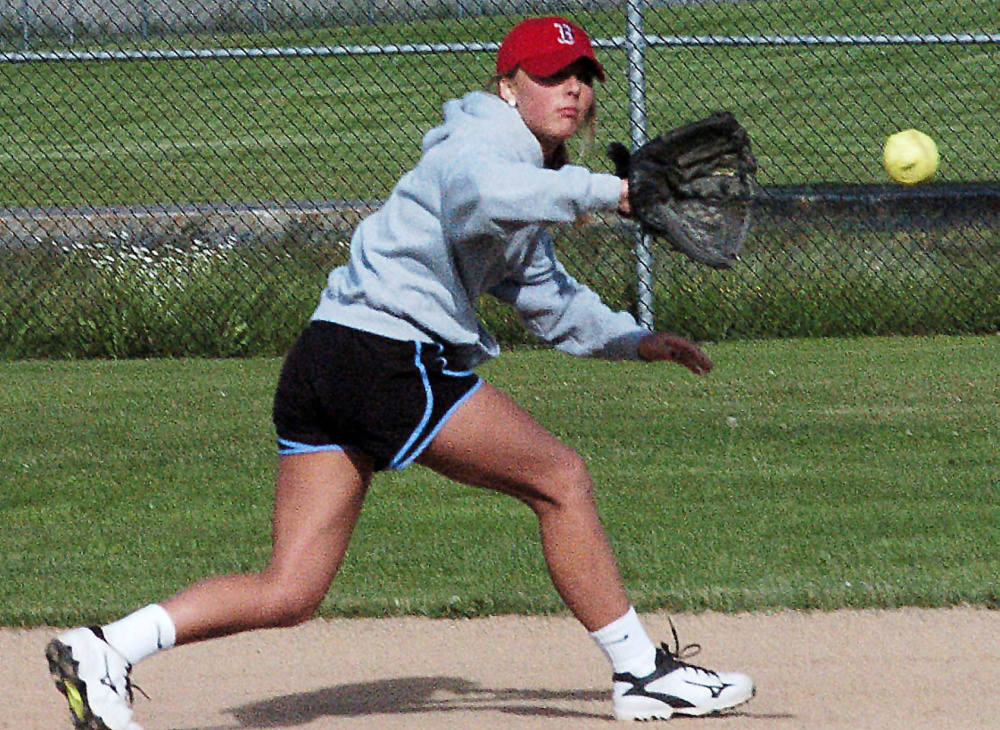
(715,689)
(106,679)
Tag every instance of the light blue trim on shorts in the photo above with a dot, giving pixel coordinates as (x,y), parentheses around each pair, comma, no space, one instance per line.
(406,455)
(396,464)
(434,432)
(289,448)
(444,362)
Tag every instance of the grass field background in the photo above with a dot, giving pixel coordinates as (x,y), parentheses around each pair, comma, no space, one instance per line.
(803,473)
(800,473)
(99,133)
(343,128)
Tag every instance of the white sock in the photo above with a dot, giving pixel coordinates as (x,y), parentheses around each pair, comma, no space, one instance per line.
(627,645)
(141,634)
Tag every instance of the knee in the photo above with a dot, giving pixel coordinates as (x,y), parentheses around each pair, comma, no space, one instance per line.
(288,602)
(565,484)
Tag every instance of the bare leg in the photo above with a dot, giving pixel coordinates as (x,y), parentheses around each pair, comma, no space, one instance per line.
(317,501)
(492,442)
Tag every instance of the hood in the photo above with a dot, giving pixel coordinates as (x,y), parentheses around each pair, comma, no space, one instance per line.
(481,117)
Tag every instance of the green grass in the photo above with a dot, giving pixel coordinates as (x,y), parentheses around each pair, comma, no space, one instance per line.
(800,473)
(346,127)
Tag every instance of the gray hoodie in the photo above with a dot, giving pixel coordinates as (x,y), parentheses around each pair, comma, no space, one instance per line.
(471,218)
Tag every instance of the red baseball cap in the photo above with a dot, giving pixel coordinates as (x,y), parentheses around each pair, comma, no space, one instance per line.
(544,46)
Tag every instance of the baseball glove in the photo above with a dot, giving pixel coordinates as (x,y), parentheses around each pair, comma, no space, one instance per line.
(693,187)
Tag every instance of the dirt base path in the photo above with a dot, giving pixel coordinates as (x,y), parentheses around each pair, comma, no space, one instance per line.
(890,670)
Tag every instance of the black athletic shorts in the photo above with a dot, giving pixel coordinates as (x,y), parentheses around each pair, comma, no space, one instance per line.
(342,388)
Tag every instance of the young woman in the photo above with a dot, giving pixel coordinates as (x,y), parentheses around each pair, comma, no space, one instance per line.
(383,377)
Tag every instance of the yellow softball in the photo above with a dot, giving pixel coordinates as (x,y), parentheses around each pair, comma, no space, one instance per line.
(910,156)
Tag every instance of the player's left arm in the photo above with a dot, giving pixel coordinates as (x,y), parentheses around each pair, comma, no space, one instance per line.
(488,194)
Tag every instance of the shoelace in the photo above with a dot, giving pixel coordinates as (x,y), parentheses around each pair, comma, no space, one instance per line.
(679,655)
(131,687)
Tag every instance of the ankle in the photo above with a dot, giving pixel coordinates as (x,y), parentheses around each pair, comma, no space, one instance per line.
(627,646)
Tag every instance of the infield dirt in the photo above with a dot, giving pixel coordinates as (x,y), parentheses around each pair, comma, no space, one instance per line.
(890,670)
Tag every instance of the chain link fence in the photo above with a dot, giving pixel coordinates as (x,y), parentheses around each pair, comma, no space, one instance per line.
(180,175)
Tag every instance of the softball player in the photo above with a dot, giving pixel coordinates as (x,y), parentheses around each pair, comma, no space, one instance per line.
(384,377)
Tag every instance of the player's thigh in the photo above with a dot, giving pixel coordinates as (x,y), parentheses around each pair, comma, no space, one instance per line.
(317,501)
(492,442)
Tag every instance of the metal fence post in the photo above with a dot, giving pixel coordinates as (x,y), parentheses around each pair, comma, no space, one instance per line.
(636,52)
(25,32)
